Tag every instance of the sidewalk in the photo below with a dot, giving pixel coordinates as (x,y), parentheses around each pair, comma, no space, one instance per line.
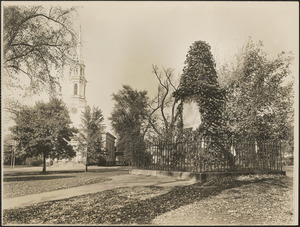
(116,182)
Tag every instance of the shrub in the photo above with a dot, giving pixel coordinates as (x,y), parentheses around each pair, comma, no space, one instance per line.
(33,162)
(288,161)
(101,161)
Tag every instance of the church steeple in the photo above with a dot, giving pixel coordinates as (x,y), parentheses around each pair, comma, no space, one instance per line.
(78,75)
(78,82)
(80,47)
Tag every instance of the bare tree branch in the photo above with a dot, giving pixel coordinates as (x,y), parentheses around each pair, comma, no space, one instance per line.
(164,100)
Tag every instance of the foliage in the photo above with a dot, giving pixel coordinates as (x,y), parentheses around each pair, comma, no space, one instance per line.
(44,130)
(10,154)
(90,134)
(101,161)
(37,41)
(129,120)
(259,101)
(199,83)
(33,162)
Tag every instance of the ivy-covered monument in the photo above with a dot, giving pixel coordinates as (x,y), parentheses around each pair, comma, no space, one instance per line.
(199,83)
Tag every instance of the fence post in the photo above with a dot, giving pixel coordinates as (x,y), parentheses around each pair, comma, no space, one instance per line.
(200,156)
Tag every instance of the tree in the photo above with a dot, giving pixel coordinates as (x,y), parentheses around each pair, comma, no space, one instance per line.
(165,117)
(260,102)
(199,83)
(10,154)
(37,42)
(44,130)
(90,135)
(129,121)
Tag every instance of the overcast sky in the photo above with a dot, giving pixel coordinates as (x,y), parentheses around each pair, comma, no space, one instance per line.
(123,39)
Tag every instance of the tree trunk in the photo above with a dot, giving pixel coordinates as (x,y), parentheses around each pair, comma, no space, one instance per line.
(86,162)
(44,162)
(14,154)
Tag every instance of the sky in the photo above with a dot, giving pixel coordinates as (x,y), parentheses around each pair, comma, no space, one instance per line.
(122,40)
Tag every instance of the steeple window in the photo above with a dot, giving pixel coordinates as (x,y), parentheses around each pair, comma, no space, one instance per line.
(81,71)
(75,89)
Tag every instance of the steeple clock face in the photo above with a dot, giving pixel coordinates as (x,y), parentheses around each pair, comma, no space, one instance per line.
(74,110)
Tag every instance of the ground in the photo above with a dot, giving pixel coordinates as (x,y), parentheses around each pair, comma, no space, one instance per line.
(253,201)
(246,200)
(32,181)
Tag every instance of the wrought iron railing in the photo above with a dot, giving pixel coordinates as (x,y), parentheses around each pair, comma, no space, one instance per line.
(210,155)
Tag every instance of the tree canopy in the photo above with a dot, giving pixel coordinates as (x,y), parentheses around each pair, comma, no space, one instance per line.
(44,130)
(129,120)
(37,42)
(90,134)
(260,102)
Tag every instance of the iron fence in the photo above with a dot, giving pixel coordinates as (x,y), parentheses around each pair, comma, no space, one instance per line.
(210,155)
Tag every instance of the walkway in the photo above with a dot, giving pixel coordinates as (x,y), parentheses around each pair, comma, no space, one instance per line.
(116,182)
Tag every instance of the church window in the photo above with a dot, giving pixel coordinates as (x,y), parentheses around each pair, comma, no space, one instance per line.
(75,89)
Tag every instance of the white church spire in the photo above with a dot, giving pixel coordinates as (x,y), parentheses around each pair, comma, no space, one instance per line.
(77,92)
(80,47)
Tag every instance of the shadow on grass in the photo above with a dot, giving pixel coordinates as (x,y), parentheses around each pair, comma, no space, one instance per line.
(49,172)
(103,209)
(144,211)
(109,171)
(34,178)
(29,173)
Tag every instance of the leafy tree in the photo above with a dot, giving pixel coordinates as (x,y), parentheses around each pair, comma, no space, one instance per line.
(129,121)
(90,135)
(10,154)
(199,83)
(260,102)
(44,130)
(37,42)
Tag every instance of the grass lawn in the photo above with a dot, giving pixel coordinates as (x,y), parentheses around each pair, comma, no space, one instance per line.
(19,183)
(257,201)
(244,200)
